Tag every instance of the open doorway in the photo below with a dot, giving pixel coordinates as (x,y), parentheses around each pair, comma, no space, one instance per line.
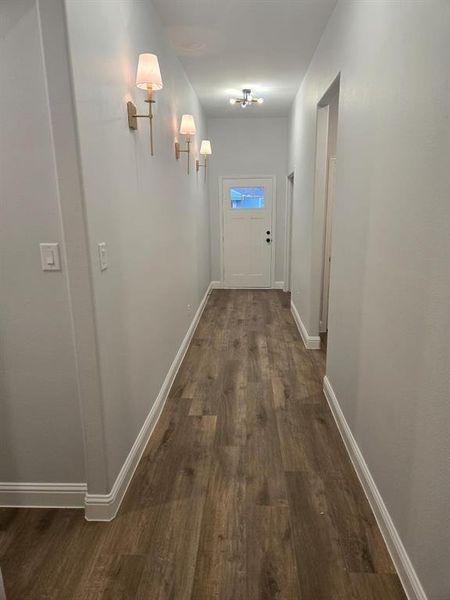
(288,233)
(325,176)
(325,292)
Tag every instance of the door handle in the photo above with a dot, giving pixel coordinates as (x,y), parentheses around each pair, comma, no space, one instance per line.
(268,240)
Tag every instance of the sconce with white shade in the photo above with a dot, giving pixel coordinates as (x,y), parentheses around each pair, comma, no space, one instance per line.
(205,151)
(148,78)
(187,128)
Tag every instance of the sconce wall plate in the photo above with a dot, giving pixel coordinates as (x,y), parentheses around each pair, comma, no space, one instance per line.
(132,112)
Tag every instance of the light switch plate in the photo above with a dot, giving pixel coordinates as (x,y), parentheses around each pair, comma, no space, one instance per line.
(50,258)
(102,256)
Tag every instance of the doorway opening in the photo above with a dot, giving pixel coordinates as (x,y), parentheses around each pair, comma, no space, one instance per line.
(288,233)
(324,193)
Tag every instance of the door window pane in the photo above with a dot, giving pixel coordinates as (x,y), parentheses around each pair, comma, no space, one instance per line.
(247,197)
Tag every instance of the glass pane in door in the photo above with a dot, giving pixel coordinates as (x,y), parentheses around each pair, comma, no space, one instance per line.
(247,197)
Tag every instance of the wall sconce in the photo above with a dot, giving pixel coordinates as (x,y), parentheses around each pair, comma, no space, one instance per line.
(148,78)
(187,128)
(205,151)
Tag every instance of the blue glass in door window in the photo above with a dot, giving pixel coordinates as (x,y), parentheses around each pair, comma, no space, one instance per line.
(247,197)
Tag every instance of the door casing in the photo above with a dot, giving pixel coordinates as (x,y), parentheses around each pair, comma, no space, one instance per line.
(288,232)
(331,175)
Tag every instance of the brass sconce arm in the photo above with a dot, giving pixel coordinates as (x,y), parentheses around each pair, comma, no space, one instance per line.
(133,116)
(198,165)
(179,150)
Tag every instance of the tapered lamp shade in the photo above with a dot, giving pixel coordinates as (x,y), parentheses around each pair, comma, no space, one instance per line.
(187,125)
(148,73)
(205,148)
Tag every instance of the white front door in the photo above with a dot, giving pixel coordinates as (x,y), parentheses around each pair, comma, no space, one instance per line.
(247,232)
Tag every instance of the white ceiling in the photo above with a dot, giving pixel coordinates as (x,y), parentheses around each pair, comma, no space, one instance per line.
(226,45)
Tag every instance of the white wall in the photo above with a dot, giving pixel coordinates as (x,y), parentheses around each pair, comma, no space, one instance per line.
(248,146)
(152,216)
(389,327)
(40,426)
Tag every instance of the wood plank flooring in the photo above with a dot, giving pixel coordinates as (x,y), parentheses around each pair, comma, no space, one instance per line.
(245,491)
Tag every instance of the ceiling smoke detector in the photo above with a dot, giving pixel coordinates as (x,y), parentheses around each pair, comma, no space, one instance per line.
(247,99)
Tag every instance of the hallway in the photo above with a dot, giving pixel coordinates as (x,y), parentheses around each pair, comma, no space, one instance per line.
(244,492)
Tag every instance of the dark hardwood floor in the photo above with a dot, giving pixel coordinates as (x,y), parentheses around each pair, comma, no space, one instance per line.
(244,492)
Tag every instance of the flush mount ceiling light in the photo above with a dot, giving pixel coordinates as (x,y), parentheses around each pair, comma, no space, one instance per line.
(247,99)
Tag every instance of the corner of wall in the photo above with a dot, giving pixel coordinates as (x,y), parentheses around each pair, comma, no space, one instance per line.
(73,222)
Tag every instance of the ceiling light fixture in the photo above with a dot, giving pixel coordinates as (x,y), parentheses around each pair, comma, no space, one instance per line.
(247,99)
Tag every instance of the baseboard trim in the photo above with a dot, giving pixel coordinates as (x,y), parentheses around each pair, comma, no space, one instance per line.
(217,285)
(311,342)
(42,495)
(104,507)
(400,558)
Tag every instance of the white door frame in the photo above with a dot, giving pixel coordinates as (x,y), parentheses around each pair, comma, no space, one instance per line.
(319,212)
(319,204)
(288,232)
(331,175)
(223,178)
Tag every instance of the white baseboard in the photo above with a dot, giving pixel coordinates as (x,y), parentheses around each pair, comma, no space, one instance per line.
(104,507)
(215,285)
(312,342)
(42,495)
(400,558)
